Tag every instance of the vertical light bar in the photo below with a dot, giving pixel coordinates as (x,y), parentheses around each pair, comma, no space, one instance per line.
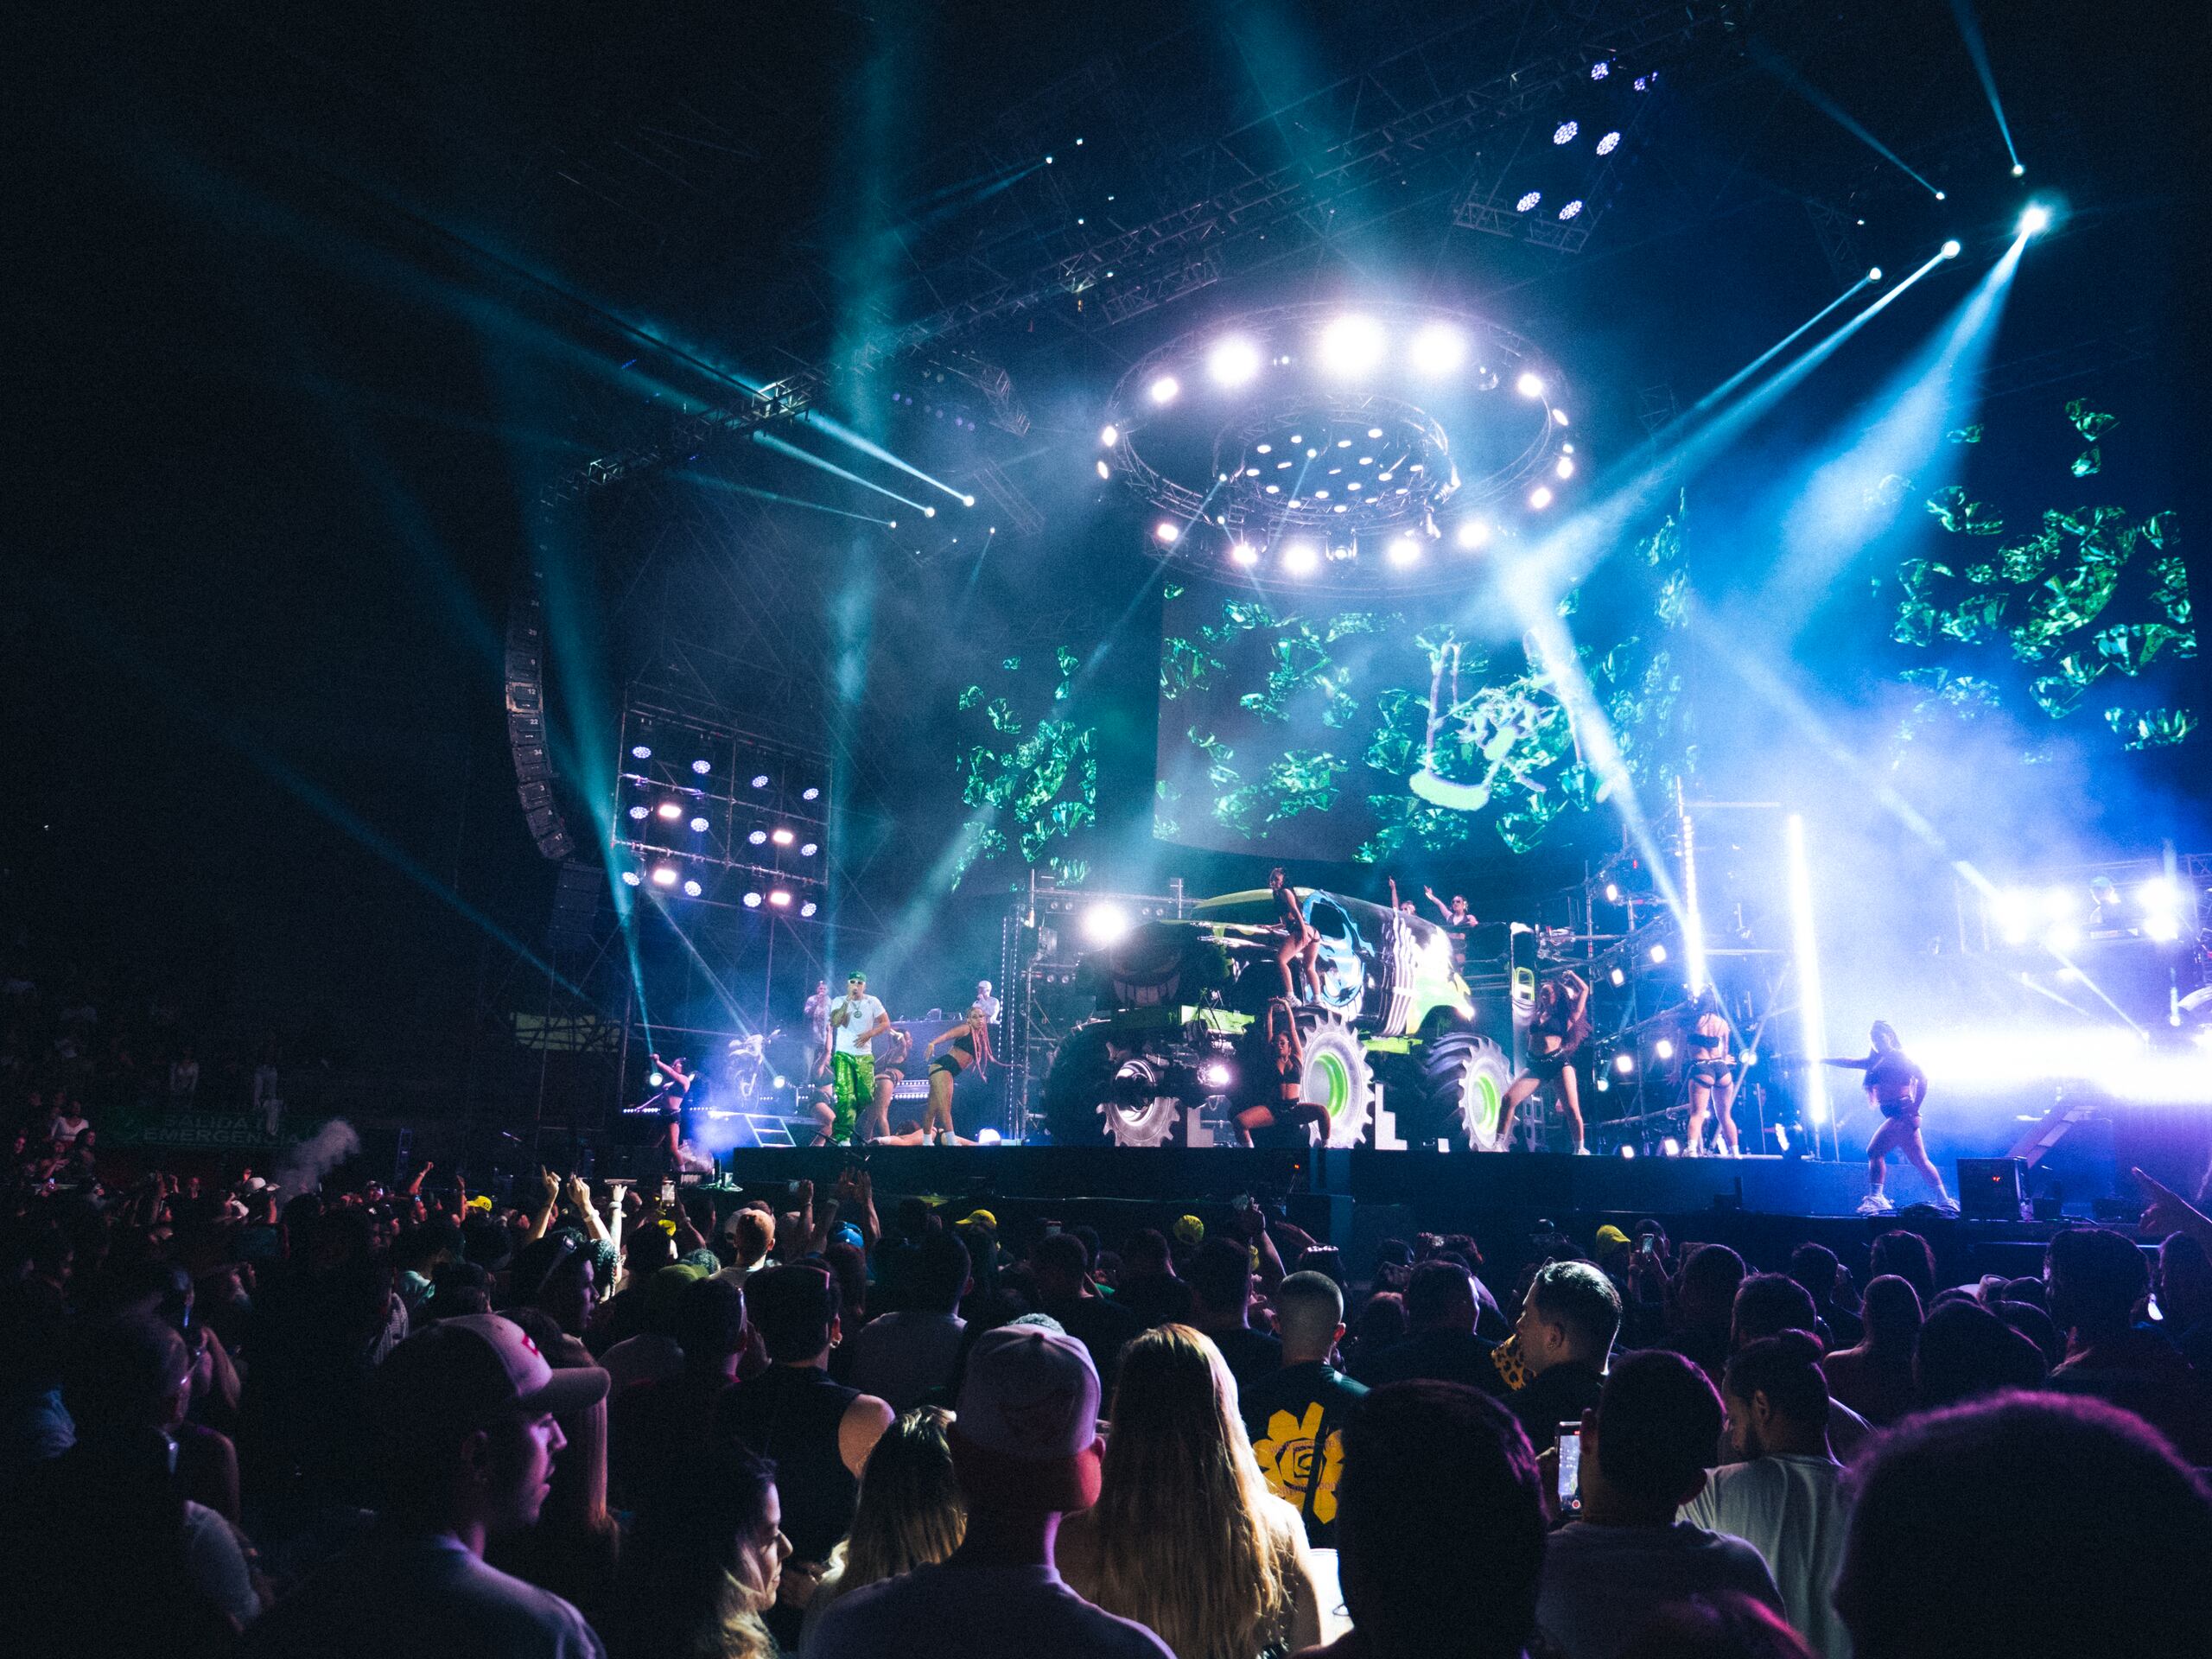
(1693,917)
(1807,948)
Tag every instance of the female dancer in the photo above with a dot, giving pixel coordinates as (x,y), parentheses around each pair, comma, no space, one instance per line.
(674,1101)
(1299,942)
(969,1045)
(1556,1032)
(1895,1087)
(1712,1075)
(890,1072)
(1284,1108)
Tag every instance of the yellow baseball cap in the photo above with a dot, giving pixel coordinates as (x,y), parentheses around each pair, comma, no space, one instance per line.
(1610,1237)
(1189,1229)
(980,1218)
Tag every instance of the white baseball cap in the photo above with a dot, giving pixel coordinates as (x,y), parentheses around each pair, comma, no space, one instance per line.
(1027,1428)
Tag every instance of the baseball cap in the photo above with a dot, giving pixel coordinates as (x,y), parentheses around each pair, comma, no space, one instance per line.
(463,1372)
(1189,1229)
(1027,1432)
(1611,1237)
(856,975)
(983,1218)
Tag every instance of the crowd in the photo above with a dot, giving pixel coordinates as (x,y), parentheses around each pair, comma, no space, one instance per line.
(418,1420)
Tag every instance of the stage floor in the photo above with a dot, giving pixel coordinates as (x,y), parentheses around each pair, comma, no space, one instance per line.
(1515,1183)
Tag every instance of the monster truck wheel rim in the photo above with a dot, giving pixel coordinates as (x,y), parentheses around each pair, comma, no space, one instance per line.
(1483,1110)
(1336,1084)
(1148,1123)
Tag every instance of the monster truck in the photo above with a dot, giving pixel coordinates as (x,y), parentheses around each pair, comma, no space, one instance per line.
(1178,1026)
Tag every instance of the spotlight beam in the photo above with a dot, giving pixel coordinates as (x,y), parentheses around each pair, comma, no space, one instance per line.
(769,440)
(1820,101)
(1805,947)
(1970,33)
(845,435)
(707,481)
(1720,392)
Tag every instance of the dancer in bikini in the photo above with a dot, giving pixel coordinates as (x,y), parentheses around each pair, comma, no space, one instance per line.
(890,1072)
(1287,1109)
(1712,1075)
(674,1100)
(1300,943)
(1896,1087)
(1557,1031)
(967,1044)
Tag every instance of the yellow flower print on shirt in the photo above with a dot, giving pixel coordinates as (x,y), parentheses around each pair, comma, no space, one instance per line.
(1286,1459)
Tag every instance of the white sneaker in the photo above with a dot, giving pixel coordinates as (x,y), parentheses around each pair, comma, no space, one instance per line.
(1875,1203)
(1945,1204)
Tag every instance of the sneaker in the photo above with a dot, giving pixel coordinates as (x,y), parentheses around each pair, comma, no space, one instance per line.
(1875,1203)
(1582,1152)
(1944,1204)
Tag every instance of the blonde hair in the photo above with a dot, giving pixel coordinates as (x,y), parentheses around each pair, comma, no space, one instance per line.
(1188,1540)
(910,1513)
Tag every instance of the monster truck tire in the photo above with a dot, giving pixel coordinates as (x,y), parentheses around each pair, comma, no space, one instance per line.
(1464,1078)
(1336,1076)
(1081,1079)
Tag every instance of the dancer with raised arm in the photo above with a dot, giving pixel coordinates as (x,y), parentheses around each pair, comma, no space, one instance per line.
(969,1045)
(1287,1109)
(675,1093)
(1897,1088)
(1557,1031)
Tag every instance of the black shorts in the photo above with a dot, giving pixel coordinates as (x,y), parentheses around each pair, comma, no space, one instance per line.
(1901,1111)
(946,1064)
(1713,1073)
(1546,1068)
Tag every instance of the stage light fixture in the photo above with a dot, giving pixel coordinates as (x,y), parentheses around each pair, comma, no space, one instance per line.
(1670,1147)
(1166,533)
(1245,554)
(808,848)
(1609,143)
(1950,250)
(753,901)
(969,501)
(1664,1049)
(811,793)
(988,1137)
(1564,133)
(1559,417)
(641,753)
(782,836)
(2014,913)
(1163,390)
(1941,196)
(1374,431)
(654,1079)
(1104,471)
(1627,1150)
(2061,901)
(760,780)
(2019,170)
(2164,927)
(1106,923)
(1657,953)
(1625,1062)
(665,876)
(1301,558)
(670,812)
(929,512)
(1233,361)
(1528,202)
(1604,1082)
(1566,467)
(1529,383)
(1404,550)
(1540,497)
(1438,348)
(2036,218)
(758,838)
(636,811)
(1619,977)
(1351,345)
(1471,534)
(1874,274)
(2158,893)
(780,898)
(629,878)
(701,767)
(698,826)
(1217,1074)
(692,889)
(1573,209)
(1612,892)
(2061,938)
(1600,69)
(806,909)
(1110,435)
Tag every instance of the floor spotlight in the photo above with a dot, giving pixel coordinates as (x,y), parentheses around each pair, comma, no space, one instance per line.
(1351,345)
(1233,361)
(1164,390)
(1950,250)
(2038,217)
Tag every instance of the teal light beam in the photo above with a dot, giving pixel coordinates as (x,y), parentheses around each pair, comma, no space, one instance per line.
(769,440)
(707,481)
(1720,393)
(1977,49)
(845,435)
(1820,101)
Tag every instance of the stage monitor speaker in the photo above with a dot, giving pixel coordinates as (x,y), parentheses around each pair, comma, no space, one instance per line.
(1993,1189)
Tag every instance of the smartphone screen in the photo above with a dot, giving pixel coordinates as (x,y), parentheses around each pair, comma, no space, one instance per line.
(667,1190)
(1570,1468)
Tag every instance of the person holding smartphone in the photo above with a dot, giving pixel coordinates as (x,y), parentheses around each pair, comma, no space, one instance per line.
(1569,1320)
